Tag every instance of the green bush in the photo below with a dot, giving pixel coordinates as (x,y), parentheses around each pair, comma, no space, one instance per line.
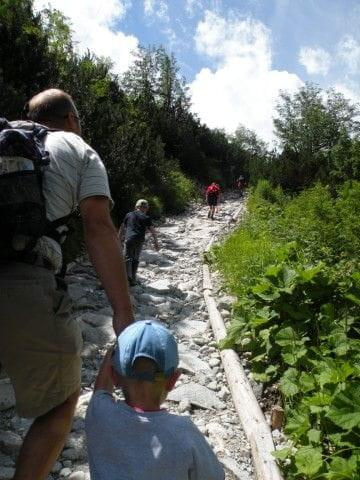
(176,191)
(156,206)
(293,265)
(243,256)
(264,190)
(347,220)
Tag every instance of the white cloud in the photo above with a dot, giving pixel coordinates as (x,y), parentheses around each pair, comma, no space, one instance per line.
(156,8)
(243,87)
(349,52)
(93,25)
(349,89)
(192,5)
(316,60)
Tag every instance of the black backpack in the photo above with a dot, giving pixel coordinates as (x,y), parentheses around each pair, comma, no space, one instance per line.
(22,205)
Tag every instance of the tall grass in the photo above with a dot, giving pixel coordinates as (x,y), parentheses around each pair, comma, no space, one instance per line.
(313,226)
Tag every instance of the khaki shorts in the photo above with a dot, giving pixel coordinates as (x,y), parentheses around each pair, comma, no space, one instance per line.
(40,344)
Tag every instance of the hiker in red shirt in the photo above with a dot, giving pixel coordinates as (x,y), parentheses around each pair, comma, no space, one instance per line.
(212,198)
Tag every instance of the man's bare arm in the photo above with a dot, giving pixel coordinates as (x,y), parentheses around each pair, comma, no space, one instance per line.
(105,253)
(103,380)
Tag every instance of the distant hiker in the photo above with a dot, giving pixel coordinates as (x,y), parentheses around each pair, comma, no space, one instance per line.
(48,166)
(240,185)
(134,227)
(136,438)
(212,194)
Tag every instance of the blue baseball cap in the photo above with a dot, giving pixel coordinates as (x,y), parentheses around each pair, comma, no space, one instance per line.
(149,339)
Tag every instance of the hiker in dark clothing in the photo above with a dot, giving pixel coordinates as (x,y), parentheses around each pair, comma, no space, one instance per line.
(134,227)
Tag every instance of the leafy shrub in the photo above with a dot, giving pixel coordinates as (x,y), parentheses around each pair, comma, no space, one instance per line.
(302,331)
(347,219)
(243,256)
(176,191)
(293,267)
(156,206)
(266,191)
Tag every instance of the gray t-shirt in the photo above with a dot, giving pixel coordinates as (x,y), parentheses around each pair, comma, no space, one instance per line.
(126,445)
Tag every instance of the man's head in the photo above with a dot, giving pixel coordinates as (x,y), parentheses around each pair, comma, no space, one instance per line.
(142,205)
(55,109)
(146,352)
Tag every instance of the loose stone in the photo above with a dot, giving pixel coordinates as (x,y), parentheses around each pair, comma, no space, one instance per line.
(214,362)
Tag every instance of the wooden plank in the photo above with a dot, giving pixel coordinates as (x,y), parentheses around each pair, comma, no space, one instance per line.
(207,285)
(251,416)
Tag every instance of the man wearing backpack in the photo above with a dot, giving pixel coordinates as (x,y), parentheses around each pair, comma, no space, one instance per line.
(212,198)
(40,344)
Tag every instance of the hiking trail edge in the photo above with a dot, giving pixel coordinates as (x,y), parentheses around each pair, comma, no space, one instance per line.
(171,291)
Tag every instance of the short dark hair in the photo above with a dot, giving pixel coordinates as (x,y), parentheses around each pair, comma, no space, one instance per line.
(51,105)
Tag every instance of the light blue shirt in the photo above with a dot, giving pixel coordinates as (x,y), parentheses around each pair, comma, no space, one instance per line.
(126,445)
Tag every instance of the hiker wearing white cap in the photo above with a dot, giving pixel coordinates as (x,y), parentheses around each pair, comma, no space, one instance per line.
(136,438)
(134,227)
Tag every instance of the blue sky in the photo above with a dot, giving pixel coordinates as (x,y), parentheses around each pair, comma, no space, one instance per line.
(293,24)
(244,50)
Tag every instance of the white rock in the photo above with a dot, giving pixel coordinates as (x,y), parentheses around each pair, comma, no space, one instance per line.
(231,465)
(223,393)
(6,473)
(184,405)
(160,286)
(65,472)
(225,314)
(77,476)
(198,395)
(189,328)
(191,363)
(217,430)
(214,362)
(10,442)
(213,386)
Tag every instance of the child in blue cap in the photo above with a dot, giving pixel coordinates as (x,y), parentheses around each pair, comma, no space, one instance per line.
(135,438)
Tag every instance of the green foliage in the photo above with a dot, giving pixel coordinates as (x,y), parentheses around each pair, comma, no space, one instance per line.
(141,124)
(178,191)
(265,191)
(299,316)
(156,206)
(31,66)
(314,128)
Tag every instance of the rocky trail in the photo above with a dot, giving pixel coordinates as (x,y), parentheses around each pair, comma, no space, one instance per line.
(171,291)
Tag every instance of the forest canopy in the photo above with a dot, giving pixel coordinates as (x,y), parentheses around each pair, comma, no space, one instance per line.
(142,125)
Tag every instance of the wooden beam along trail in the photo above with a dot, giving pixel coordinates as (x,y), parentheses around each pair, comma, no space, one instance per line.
(250,414)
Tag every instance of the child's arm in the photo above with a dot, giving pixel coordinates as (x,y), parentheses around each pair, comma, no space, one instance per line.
(104,380)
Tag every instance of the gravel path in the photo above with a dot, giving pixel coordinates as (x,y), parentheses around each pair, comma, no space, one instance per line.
(170,290)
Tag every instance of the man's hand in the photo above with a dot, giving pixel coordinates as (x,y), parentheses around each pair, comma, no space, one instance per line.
(120,322)
(105,253)
(104,380)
